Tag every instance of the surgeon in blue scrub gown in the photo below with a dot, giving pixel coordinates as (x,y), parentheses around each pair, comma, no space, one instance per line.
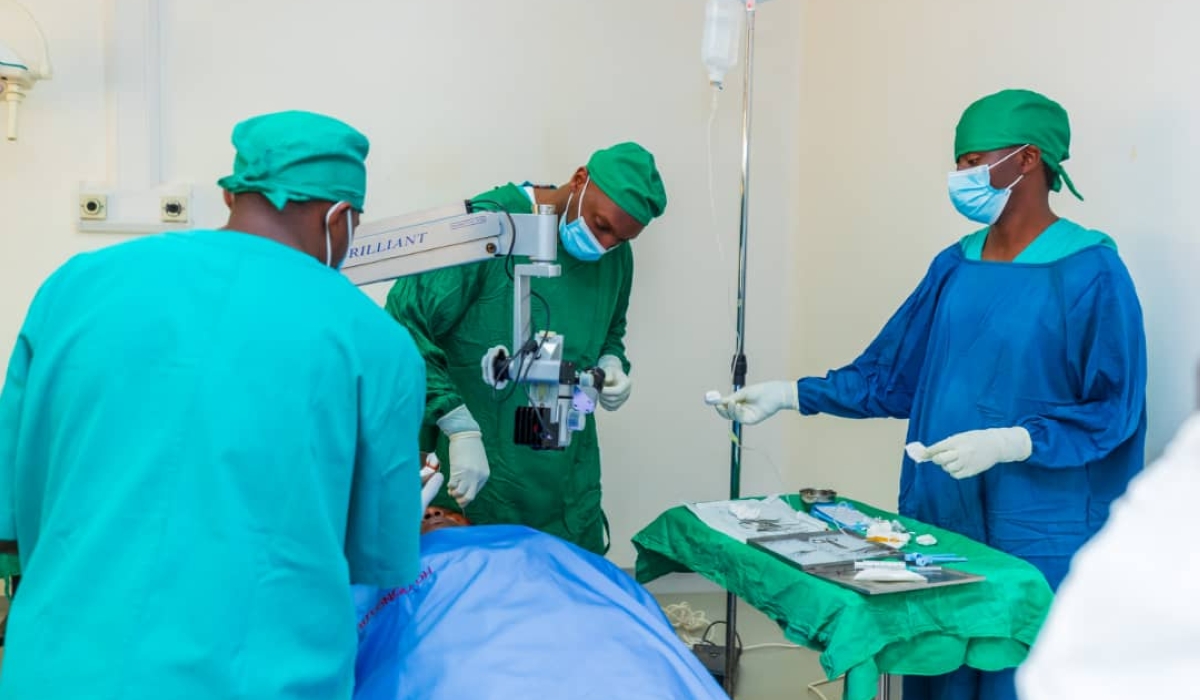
(205,438)
(1020,360)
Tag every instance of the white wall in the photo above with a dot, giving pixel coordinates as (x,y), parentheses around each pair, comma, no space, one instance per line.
(883,85)
(854,121)
(457,97)
(61,139)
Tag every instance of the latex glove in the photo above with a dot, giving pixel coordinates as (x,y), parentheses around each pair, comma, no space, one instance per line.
(431,480)
(758,402)
(617,384)
(976,451)
(469,468)
(488,365)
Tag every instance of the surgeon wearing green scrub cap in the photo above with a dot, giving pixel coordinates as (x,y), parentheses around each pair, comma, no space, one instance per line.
(308,178)
(458,314)
(1009,149)
(1019,361)
(223,430)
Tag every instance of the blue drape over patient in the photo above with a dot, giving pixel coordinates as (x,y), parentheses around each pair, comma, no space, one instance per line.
(503,612)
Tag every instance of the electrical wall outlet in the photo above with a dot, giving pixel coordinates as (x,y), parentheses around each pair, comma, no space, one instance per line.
(93,207)
(174,210)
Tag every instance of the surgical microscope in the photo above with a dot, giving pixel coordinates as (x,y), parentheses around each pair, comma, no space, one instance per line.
(560,394)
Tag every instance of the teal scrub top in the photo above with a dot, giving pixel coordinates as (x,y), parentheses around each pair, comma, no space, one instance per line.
(1060,239)
(205,438)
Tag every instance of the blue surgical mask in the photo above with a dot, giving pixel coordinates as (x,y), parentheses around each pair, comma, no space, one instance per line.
(972,193)
(576,237)
(329,239)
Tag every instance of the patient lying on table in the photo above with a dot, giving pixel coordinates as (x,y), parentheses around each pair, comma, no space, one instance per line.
(505,612)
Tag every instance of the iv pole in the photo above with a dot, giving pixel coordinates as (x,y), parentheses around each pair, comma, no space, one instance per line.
(739,365)
(739,356)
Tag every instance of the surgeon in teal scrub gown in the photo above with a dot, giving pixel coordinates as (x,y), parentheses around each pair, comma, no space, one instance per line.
(205,438)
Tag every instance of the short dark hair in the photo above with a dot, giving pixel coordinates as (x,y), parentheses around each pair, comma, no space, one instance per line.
(1050,175)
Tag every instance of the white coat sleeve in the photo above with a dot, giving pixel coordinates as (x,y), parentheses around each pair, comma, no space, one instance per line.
(1124,623)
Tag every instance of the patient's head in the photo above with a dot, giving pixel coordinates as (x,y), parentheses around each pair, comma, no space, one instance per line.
(437,518)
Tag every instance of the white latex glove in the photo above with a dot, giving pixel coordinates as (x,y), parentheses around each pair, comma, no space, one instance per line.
(617,384)
(976,451)
(469,468)
(431,480)
(488,365)
(758,402)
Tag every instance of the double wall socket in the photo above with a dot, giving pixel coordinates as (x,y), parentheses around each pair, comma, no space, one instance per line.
(106,210)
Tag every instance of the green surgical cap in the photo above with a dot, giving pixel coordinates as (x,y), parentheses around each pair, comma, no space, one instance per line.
(1015,118)
(299,157)
(627,174)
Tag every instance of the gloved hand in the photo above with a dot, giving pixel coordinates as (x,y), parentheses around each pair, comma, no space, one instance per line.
(488,365)
(431,480)
(758,402)
(617,384)
(976,451)
(469,468)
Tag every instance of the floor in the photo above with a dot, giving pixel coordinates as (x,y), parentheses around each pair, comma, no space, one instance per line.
(770,673)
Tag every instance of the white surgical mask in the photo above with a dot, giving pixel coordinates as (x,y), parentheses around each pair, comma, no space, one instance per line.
(972,194)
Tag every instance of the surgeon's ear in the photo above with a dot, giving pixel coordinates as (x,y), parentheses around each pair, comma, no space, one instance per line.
(337,221)
(579,178)
(1031,159)
(228,198)
(339,231)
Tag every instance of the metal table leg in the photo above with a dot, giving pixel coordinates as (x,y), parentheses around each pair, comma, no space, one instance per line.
(883,693)
(731,659)
(885,687)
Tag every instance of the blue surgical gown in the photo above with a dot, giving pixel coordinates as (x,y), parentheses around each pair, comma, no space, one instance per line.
(503,611)
(205,438)
(1057,348)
